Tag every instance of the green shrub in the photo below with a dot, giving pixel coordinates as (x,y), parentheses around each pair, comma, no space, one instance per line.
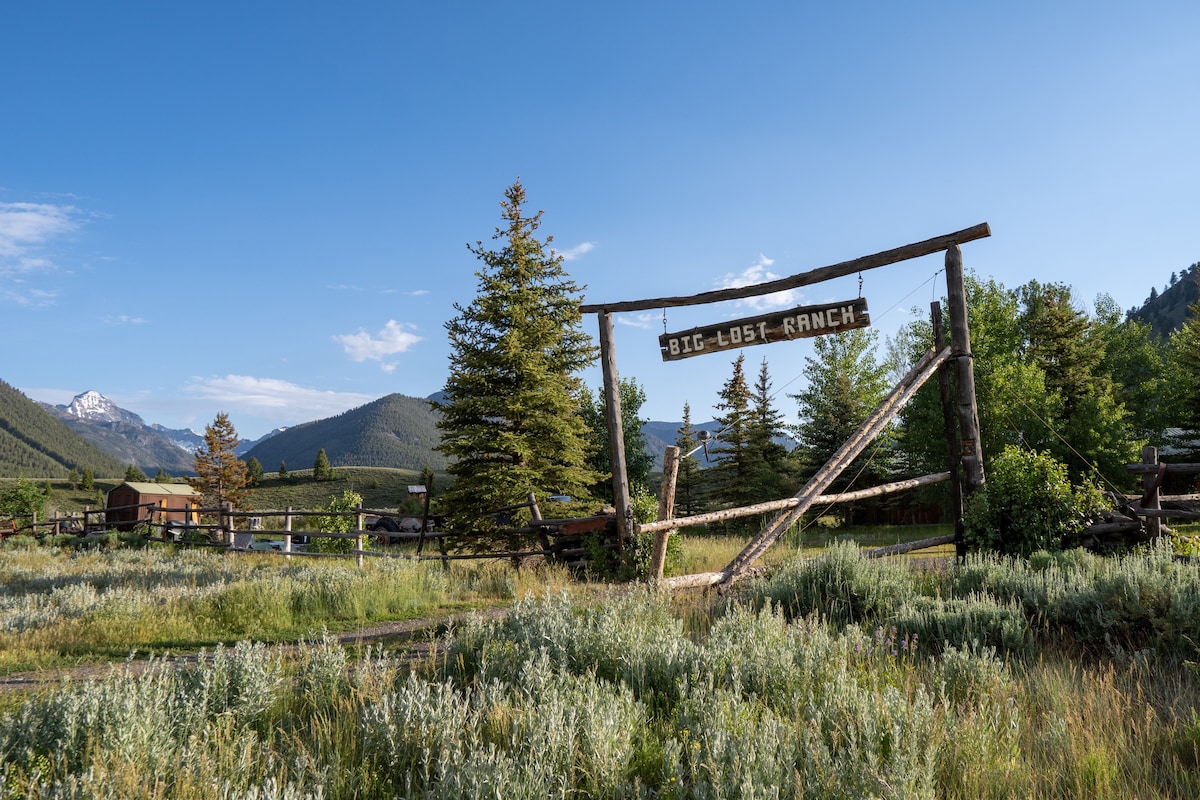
(1028,504)
(338,521)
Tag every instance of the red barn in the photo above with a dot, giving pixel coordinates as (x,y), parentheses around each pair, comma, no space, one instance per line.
(175,502)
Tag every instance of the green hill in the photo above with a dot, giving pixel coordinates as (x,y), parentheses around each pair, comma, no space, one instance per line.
(35,444)
(394,431)
(1167,311)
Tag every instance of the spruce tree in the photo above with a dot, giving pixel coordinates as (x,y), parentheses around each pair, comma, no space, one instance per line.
(220,474)
(510,422)
(254,472)
(688,499)
(321,470)
(733,475)
(768,458)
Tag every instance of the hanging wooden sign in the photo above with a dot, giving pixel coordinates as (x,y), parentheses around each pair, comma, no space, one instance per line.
(779,326)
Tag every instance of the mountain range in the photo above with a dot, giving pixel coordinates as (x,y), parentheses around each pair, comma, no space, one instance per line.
(40,440)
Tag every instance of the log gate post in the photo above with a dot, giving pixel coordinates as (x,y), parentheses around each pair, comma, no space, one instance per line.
(971,452)
(616,431)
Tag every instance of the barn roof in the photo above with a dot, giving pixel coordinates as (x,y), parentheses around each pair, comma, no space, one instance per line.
(150,487)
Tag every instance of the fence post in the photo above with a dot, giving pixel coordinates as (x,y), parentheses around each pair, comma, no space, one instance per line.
(971,451)
(666,509)
(287,526)
(1150,486)
(616,433)
(359,520)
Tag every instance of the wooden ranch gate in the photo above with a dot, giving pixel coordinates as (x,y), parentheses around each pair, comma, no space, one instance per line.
(965,457)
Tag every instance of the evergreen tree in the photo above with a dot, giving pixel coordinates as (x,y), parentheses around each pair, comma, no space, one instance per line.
(638,461)
(846,383)
(321,470)
(1088,429)
(254,472)
(74,478)
(134,473)
(510,423)
(89,480)
(1184,363)
(220,474)
(732,477)
(161,477)
(768,458)
(283,473)
(688,500)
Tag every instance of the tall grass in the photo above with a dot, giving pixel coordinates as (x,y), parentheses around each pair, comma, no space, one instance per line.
(920,696)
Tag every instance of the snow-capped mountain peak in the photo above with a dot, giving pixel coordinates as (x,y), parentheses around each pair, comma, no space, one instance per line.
(95,407)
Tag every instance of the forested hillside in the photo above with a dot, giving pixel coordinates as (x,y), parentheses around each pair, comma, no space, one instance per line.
(36,445)
(1166,311)
(393,431)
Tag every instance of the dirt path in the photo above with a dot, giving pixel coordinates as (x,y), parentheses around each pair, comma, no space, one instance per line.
(404,632)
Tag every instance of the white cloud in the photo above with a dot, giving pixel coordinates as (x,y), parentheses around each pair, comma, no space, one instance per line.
(256,395)
(759,273)
(27,227)
(124,319)
(643,320)
(573,253)
(395,337)
(418,292)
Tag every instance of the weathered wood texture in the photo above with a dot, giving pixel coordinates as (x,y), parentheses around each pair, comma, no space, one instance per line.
(909,547)
(790,502)
(849,450)
(616,430)
(802,322)
(666,510)
(893,256)
(971,453)
(825,476)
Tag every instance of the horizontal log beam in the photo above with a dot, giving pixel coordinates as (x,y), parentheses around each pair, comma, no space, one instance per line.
(1181,469)
(893,256)
(908,547)
(790,502)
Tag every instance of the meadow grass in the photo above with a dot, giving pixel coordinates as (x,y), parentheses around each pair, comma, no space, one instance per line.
(1062,676)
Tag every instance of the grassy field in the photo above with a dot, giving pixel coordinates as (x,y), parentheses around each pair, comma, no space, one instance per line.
(1064,676)
(380,487)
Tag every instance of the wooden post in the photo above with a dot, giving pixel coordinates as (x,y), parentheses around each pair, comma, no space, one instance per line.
(616,431)
(360,540)
(964,374)
(1150,485)
(948,430)
(287,526)
(666,509)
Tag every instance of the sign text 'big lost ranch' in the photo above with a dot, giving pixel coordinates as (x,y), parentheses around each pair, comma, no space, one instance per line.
(779,326)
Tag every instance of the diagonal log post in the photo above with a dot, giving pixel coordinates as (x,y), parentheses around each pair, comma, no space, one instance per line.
(825,476)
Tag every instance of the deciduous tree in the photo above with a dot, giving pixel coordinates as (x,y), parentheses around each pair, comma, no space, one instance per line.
(510,419)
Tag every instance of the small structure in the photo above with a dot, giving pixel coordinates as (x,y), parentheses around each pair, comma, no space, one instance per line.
(136,501)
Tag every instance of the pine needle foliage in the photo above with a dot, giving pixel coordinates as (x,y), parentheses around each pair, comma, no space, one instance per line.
(510,421)
(220,475)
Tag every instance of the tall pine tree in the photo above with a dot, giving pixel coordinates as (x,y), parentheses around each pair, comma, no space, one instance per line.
(510,422)
(220,474)
(768,458)
(688,500)
(732,477)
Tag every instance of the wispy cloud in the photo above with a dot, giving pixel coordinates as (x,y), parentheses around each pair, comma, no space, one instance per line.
(256,395)
(124,319)
(572,253)
(417,293)
(395,337)
(27,231)
(643,320)
(759,272)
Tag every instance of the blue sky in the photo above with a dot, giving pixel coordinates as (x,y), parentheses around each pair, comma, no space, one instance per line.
(263,208)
